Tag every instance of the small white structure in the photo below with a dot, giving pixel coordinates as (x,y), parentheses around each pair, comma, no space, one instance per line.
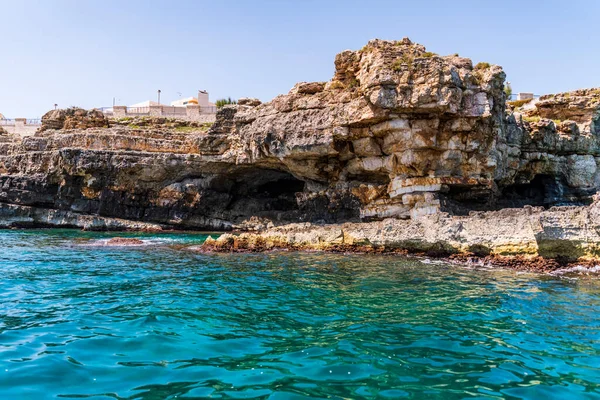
(524,96)
(184,102)
(146,103)
(201,100)
(192,109)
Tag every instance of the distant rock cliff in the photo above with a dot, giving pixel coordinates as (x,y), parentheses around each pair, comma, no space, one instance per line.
(398,132)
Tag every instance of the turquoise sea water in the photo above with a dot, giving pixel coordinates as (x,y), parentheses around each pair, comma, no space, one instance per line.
(79,320)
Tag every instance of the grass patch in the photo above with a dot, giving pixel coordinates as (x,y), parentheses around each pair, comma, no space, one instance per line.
(482,65)
(134,126)
(186,129)
(224,102)
(428,54)
(401,62)
(518,103)
(533,118)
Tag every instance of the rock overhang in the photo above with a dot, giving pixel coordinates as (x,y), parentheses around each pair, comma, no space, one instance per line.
(397,132)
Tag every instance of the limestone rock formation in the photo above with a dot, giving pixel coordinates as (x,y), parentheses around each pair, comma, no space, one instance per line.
(565,233)
(399,132)
(556,147)
(246,101)
(73,118)
(402,132)
(396,127)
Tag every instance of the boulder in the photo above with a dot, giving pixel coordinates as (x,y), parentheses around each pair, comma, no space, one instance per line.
(246,101)
(73,118)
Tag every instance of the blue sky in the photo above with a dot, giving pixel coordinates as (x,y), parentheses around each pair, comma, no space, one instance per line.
(84,53)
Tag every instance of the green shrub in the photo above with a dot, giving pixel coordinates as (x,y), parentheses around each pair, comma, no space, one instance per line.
(482,65)
(428,54)
(477,78)
(223,102)
(400,62)
(508,91)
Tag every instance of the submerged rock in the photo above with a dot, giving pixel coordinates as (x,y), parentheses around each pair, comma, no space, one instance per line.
(121,241)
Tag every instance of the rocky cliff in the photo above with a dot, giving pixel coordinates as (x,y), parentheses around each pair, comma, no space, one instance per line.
(399,132)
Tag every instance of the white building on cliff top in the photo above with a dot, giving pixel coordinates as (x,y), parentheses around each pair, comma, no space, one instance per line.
(201,100)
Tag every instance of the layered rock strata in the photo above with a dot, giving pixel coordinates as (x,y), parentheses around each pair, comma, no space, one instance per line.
(567,233)
(400,140)
(73,118)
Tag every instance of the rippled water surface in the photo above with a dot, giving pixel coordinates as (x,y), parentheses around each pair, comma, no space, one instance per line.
(155,321)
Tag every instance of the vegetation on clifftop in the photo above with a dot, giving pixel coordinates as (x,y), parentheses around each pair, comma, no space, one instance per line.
(223,102)
(508,91)
(519,103)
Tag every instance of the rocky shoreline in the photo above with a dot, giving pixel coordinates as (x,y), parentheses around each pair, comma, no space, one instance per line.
(403,150)
(529,238)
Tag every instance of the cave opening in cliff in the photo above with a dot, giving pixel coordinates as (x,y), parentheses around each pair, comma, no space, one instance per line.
(282,186)
(542,190)
(262,192)
(462,199)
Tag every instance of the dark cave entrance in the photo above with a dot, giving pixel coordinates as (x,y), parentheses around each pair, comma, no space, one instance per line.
(542,190)
(547,191)
(260,192)
(280,187)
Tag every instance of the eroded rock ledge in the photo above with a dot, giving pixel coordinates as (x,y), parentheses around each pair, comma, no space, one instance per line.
(559,235)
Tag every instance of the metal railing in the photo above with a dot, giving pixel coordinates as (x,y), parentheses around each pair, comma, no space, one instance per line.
(165,111)
(173,110)
(13,122)
(138,110)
